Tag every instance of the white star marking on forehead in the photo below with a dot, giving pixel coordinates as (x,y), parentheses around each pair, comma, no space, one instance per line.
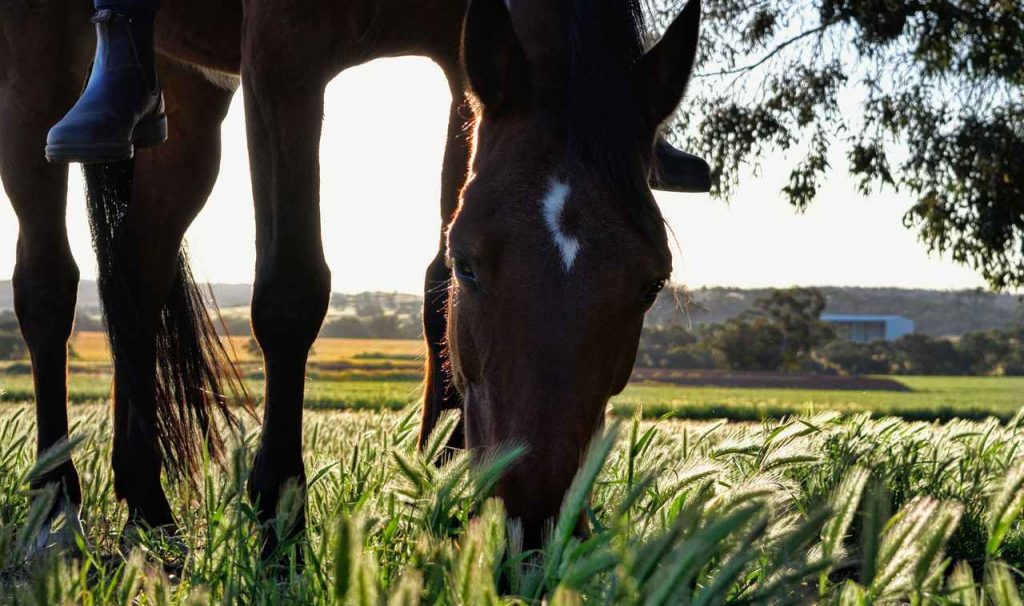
(553,205)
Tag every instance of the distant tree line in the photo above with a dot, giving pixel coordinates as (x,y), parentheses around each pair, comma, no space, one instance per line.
(937,313)
(782,331)
(990,352)
(377,326)
(779,332)
(12,346)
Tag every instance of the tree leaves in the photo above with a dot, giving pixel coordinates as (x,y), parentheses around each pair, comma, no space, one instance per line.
(941,109)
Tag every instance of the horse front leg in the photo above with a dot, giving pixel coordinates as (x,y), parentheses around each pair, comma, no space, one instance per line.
(284,110)
(46,52)
(45,285)
(439,394)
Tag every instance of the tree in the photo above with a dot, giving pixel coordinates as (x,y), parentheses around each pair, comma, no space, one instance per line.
(778,332)
(983,350)
(8,321)
(918,354)
(939,86)
(851,358)
(993,352)
(348,327)
(12,346)
(672,346)
(385,327)
(797,313)
(749,343)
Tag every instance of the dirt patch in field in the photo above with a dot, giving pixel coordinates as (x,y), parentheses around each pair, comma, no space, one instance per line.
(763,380)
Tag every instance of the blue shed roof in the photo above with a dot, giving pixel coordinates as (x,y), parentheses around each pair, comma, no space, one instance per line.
(861,318)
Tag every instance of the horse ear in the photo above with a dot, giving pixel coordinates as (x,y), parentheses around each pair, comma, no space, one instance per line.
(663,72)
(678,171)
(496,65)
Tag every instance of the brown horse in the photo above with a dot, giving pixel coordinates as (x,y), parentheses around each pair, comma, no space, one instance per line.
(558,246)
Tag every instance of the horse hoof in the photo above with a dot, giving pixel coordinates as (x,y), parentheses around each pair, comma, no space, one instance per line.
(162,543)
(61,532)
(284,567)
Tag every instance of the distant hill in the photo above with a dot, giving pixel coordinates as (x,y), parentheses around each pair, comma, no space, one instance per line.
(935,312)
(228,295)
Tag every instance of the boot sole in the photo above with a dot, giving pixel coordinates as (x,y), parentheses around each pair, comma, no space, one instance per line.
(148,133)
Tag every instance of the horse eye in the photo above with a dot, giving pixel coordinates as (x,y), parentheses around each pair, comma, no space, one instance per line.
(463,270)
(652,293)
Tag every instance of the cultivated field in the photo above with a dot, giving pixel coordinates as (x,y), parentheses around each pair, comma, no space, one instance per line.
(385,374)
(829,508)
(819,509)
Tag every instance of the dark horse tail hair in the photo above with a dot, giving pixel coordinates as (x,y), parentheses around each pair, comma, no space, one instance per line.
(194,375)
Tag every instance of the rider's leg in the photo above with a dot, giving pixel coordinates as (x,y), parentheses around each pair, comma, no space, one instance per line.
(121,107)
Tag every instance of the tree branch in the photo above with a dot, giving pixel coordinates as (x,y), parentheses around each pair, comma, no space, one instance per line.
(775,51)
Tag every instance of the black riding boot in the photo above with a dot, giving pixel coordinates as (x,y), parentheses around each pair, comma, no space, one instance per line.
(122,107)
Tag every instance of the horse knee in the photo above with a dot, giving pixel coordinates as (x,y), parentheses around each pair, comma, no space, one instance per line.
(289,304)
(44,301)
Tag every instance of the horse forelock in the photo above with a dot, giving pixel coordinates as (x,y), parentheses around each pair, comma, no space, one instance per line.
(606,129)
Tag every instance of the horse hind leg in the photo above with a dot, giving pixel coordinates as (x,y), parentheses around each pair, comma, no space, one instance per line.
(168,362)
(48,47)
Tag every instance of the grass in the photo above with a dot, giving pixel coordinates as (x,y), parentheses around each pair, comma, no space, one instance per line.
(818,508)
(822,509)
(942,398)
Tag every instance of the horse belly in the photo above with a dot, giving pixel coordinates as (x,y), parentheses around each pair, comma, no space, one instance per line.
(205,33)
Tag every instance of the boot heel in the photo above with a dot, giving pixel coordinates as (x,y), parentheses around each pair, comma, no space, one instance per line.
(152,131)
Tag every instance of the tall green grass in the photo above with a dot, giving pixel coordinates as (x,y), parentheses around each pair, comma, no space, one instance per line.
(820,509)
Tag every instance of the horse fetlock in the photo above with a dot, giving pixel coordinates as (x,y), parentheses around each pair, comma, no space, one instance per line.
(276,484)
(278,492)
(145,498)
(69,486)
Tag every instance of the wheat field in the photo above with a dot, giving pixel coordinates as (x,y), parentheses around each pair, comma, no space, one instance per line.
(821,509)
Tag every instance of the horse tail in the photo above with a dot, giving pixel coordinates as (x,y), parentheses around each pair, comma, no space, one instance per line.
(195,378)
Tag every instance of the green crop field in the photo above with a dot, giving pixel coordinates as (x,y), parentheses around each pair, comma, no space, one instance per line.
(385,374)
(361,387)
(825,509)
(791,505)
(940,398)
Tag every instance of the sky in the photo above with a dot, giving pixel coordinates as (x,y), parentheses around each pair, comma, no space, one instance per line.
(380,157)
